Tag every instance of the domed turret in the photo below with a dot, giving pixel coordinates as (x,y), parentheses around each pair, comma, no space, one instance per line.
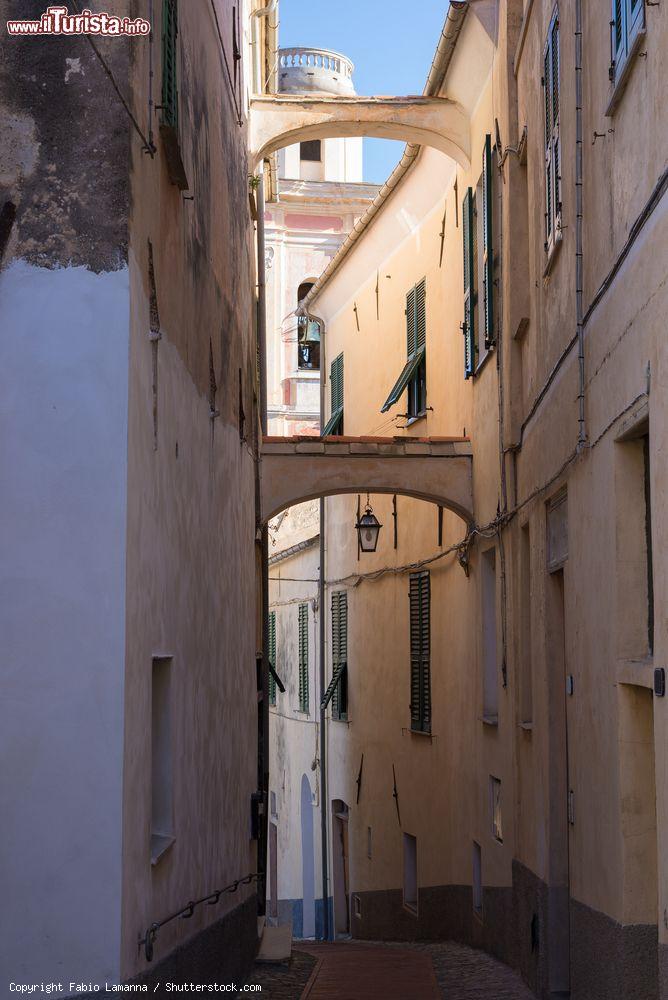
(314,71)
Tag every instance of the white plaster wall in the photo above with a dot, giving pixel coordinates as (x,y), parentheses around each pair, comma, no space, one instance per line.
(63,455)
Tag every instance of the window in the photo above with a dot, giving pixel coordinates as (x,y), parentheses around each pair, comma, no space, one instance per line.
(169,116)
(526,666)
(414,373)
(410,873)
(470,326)
(170,95)
(628,21)
(495,808)
(335,423)
(490,685)
(162,821)
(337,692)
(308,335)
(271,655)
(420,598)
(634,621)
(303,658)
(311,150)
(487,243)
(552,142)
(477,878)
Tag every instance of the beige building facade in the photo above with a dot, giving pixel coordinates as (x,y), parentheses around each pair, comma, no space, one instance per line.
(503,684)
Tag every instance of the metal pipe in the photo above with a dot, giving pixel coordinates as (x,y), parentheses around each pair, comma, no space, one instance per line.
(323,731)
(579,278)
(262,302)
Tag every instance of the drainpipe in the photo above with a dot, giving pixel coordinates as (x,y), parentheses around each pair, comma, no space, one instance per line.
(582,432)
(262,302)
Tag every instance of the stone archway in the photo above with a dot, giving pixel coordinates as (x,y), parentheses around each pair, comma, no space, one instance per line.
(438,470)
(282,120)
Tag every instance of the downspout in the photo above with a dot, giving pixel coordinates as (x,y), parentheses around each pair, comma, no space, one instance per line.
(579,278)
(321,671)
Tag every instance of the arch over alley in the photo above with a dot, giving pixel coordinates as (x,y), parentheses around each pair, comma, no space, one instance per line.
(438,470)
(277,121)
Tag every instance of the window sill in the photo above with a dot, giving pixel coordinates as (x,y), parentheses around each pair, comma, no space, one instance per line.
(489,351)
(418,416)
(619,84)
(553,252)
(160,844)
(526,727)
(420,733)
(490,720)
(341,718)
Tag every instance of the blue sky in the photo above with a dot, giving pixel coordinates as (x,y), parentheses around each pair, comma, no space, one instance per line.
(391,42)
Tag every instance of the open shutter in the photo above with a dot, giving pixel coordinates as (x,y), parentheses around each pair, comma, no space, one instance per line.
(420,315)
(488,241)
(410,324)
(635,19)
(556,166)
(303,658)
(271,656)
(547,92)
(170,102)
(335,423)
(469,260)
(337,690)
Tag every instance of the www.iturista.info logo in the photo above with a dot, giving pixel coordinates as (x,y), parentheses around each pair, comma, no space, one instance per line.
(59,21)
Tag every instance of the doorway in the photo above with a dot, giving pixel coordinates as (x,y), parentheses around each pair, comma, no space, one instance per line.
(340,868)
(308,867)
(273,870)
(558,913)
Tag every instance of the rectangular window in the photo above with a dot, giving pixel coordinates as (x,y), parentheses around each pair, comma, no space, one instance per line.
(420,643)
(413,376)
(477,878)
(311,150)
(271,656)
(337,692)
(526,660)
(551,58)
(634,621)
(495,808)
(487,243)
(303,658)
(628,20)
(490,683)
(410,873)
(335,423)
(162,818)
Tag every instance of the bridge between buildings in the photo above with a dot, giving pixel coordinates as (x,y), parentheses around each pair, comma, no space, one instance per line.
(435,469)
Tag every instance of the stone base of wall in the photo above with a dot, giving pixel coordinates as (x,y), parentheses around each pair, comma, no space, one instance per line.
(223,953)
(608,961)
(292,910)
(611,961)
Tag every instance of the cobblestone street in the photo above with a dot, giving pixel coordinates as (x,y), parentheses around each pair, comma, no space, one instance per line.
(362,971)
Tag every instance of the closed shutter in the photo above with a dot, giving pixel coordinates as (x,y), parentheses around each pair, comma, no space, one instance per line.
(421,314)
(469,263)
(271,656)
(170,101)
(552,143)
(488,241)
(416,337)
(303,658)
(420,644)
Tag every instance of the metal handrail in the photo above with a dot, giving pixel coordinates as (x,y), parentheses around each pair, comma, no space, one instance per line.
(187,911)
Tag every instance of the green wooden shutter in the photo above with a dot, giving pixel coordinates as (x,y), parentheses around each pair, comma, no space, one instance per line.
(271,656)
(410,324)
(420,645)
(469,264)
(420,314)
(547,84)
(170,97)
(303,658)
(335,423)
(488,241)
(556,167)
(339,697)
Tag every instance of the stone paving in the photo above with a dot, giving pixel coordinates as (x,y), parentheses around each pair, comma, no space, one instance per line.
(461,973)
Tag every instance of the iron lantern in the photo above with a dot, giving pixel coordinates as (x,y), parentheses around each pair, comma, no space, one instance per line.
(368,529)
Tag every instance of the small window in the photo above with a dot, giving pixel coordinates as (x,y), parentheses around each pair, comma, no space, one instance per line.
(628,21)
(335,423)
(311,150)
(477,878)
(303,658)
(162,820)
(526,659)
(410,873)
(420,626)
(413,375)
(495,807)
